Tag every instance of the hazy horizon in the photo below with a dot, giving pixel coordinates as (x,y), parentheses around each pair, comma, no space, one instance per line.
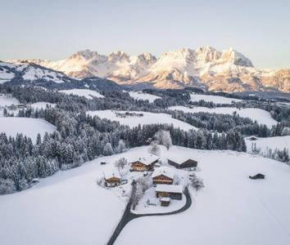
(56,29)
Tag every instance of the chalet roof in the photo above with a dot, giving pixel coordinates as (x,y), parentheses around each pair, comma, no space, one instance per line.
(110,173)
(169,188)
(147,159)
(166,171)
(180,159)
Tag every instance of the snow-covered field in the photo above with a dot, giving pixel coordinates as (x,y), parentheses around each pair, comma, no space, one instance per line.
(213,98)
(70,208)
(147,118)
(273,143)
(42,105)
(143,96)
(27,126)
(231,209)
(259,115)
(7,100)
(87,93)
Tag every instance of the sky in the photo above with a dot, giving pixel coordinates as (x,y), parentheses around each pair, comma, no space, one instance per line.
(55,29)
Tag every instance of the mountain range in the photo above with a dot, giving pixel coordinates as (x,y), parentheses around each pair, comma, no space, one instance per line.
(204,67)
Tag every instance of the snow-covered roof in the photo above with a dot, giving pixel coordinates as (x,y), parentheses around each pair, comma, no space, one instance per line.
(110,173)
(165,199)
(147,159)
(169,188)
(179,159)
(166,171)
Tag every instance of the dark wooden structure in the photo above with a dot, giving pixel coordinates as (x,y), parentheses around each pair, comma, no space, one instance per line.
(164,201)
(186,164)
(173,191)
(257,176)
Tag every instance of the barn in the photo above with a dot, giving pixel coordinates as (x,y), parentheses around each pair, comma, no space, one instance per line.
(183,164)
(144,163)
(171,191)
(163,175)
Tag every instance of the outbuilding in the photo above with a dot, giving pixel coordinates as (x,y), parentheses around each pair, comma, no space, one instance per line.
(183,163)
(169,191)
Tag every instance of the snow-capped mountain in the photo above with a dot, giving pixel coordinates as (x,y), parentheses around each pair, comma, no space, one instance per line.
(203,67)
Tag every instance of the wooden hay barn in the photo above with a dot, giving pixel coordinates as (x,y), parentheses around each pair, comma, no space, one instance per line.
(189,163)
(171,191)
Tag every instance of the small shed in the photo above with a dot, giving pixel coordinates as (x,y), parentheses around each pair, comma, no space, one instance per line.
(163,175)
(164,201)
(252,138)
(171,191)
(257,176)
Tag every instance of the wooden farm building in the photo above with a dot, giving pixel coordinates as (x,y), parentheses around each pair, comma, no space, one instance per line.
(252,138)
(163,175)
(112,179)
(171,191)
(183,164)
(165,201)
(144,163)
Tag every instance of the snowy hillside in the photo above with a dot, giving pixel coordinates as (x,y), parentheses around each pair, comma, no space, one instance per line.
(230,209)
(27,126)
(213,98)
(41,105)
(87,93)
(143,96)
(204,67)
(70,208)
(259,115)
(7,100)
(144,119)
(266,144)
(22,71)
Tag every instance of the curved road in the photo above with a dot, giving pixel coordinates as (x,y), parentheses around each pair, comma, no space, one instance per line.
(128,215)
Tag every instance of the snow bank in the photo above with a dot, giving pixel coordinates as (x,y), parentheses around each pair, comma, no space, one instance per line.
(259,115)
(27,126)
(147,118)
(213,98)
(143,96)
(87,93)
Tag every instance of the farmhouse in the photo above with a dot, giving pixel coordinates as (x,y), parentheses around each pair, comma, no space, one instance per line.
(144,163)
(169,191)
(163,175)
(112,178)
(183,163)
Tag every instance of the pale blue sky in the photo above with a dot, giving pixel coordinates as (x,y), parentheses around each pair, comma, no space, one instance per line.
(54,29)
